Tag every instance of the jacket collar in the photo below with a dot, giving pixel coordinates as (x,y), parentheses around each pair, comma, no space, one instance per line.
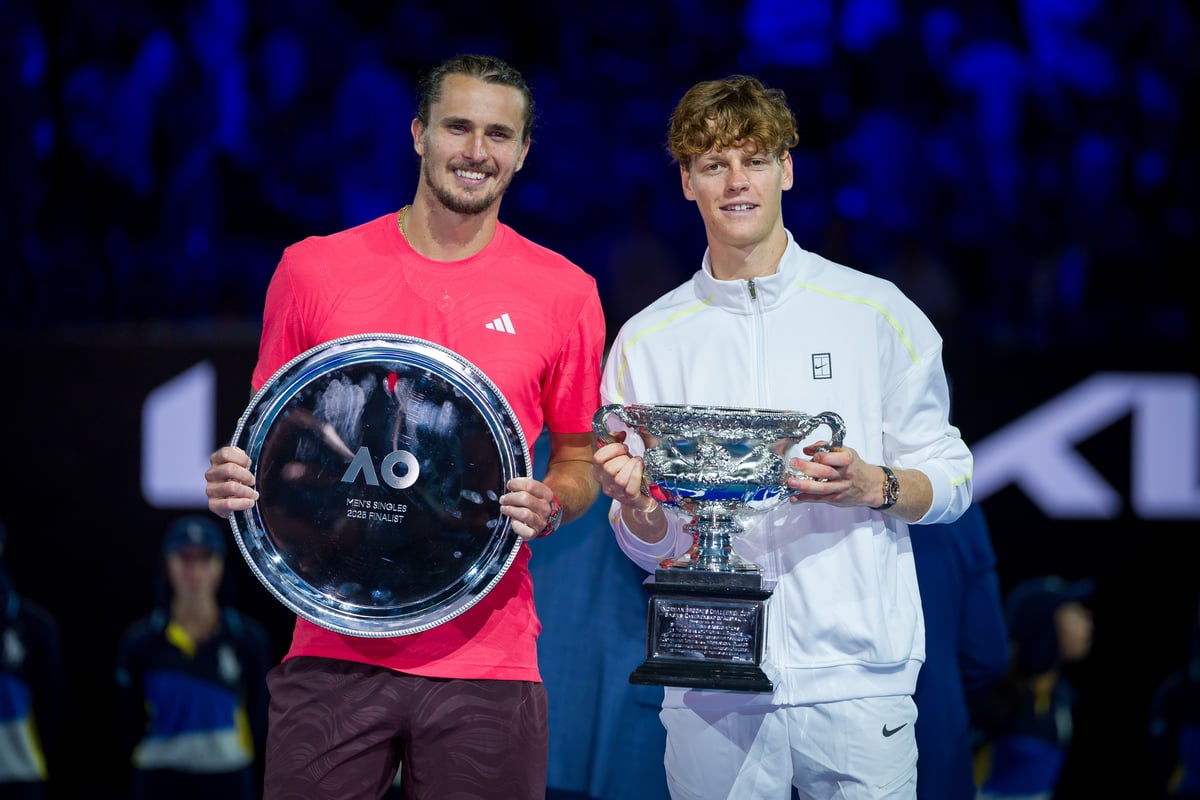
(769,290)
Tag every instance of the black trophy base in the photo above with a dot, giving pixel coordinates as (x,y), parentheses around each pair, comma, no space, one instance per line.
(705,630)
(733,677)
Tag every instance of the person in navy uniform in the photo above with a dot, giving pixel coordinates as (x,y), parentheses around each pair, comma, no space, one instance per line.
(191,693)
(1175,725)
(1026,725)
(31,691)
(966,649)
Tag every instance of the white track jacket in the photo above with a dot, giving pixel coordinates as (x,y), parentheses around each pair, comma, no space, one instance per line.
(845,618)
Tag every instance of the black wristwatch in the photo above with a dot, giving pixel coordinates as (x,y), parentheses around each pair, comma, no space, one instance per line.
(555,518)
(891,490)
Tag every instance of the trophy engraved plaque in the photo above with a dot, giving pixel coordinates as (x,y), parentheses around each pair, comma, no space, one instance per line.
(379,460)
(715,468)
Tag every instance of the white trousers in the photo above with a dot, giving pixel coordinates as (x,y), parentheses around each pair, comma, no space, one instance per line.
(732,745)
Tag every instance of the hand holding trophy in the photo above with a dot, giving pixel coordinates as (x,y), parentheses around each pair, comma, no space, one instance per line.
(716,468)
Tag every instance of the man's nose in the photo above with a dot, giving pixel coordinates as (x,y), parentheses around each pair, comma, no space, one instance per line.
(476,148)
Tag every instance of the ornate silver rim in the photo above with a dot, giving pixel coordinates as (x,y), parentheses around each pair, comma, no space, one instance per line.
(327,590)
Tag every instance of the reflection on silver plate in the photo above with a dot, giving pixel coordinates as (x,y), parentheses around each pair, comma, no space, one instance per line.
(379,460)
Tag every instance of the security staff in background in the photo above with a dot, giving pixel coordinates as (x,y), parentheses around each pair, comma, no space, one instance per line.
(31,691)
(191,692)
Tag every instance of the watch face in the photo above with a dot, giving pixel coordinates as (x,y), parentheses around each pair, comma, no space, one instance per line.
(891,491)
(379,461)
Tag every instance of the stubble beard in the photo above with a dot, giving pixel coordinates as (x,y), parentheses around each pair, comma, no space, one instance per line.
(471,204)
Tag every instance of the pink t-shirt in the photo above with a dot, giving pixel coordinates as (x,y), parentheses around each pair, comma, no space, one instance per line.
(526,316)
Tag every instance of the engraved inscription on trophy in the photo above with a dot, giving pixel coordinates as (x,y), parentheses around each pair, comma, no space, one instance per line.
(715,468)
(705,629)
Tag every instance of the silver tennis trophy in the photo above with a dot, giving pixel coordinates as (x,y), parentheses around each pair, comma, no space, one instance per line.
(716,468)
(379,460)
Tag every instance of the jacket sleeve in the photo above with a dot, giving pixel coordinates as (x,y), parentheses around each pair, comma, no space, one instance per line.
(918,433)
(648,556)
(677,540)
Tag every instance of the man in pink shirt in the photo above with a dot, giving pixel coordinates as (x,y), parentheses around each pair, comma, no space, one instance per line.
(461,705)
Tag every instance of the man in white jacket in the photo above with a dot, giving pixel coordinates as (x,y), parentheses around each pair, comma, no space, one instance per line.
(766,324)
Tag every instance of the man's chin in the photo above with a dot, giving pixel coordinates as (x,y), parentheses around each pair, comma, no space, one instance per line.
(470,206)
(468,202)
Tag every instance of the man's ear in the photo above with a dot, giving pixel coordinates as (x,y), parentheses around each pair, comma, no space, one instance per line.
(685,178)
(418,134)
(524,154)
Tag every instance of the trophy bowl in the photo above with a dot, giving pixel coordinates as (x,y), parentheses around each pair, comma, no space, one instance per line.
(717,467)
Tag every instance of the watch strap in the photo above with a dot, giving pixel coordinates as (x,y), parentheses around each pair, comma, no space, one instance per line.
(555,518)
(891,490)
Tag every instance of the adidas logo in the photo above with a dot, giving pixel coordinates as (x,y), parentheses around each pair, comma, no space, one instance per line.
(501,323)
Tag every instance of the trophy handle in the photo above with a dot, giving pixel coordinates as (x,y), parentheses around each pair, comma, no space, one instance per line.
(600,422)
(837,428)
(604,435)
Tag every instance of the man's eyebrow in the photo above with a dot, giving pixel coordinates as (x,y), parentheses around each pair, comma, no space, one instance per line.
(502,128)
(470,123)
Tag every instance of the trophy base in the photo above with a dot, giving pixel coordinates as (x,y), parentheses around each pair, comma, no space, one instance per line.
(710,676)
(705,630)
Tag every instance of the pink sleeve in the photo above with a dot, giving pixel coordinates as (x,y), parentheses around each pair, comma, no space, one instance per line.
(572,391)
(283,335)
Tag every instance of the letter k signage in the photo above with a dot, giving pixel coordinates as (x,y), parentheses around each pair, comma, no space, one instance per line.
(1037,451)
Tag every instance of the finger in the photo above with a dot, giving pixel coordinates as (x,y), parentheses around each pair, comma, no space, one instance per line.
(231,490)
(630,478)
(525,523)
(527,492)
(231,455)
(229,484)
(229,471)
(617,472)
(611,451)
(223,507)
(839,457)
(519,484)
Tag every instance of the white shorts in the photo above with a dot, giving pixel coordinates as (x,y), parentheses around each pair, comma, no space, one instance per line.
(732,745)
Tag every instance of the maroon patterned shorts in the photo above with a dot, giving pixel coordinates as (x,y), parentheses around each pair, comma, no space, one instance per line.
(339,729)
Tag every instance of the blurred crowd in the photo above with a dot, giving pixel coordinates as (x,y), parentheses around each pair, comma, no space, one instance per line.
(1025,171)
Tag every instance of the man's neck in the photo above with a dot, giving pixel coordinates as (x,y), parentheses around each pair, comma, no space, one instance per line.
(730,263)
(443,235)
(756,260)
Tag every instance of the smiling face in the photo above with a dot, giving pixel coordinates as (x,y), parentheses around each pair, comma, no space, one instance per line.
(473,144)
(739,192)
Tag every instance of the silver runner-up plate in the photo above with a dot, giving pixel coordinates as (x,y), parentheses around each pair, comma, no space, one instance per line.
(379,460)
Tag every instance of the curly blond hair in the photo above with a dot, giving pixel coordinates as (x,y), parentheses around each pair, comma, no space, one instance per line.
(733,111)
